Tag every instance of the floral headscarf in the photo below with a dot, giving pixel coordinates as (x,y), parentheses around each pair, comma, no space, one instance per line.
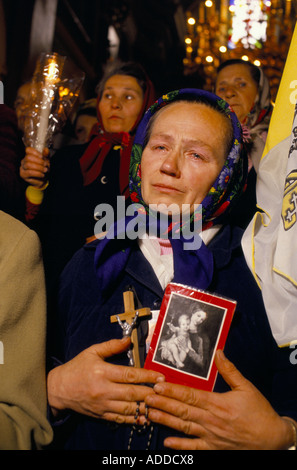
(230,182)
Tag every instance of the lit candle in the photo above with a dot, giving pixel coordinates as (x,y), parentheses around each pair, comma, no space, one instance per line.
(48,93)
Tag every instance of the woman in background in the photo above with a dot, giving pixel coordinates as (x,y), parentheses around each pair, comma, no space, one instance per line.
(246,89)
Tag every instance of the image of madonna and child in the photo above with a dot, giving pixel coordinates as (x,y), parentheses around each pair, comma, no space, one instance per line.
(185,343)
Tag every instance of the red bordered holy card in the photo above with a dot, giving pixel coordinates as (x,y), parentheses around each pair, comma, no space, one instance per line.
(192,325)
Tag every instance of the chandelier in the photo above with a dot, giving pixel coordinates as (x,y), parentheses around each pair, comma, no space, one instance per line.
(256,30)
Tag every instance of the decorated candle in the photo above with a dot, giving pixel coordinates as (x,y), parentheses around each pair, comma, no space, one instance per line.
(51,73)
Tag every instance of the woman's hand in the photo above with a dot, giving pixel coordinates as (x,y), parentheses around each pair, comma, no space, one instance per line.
(35,167)
(239,419)
(89,385)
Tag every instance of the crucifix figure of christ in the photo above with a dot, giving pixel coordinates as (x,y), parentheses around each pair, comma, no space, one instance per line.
(127,321)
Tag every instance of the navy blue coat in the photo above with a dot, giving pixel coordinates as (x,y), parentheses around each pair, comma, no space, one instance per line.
(84,321)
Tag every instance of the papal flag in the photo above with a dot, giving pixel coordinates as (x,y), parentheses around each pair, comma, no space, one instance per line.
(270,241)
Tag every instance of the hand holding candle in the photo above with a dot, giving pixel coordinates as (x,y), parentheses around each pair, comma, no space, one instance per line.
(53,94)
(53,97)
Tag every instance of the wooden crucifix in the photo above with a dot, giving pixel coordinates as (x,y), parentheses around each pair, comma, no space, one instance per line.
(130,317)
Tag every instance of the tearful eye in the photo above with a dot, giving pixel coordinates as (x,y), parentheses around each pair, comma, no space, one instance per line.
(195,156)
(159,147)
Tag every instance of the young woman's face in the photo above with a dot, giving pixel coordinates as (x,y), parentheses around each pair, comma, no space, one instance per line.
(184,155)
(120,103)
(236,86)
(198,317)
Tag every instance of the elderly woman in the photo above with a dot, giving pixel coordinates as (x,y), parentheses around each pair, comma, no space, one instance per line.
(246,88)
(79,177)
(187,151)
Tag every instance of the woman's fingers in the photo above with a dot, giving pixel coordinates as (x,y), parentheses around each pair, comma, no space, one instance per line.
(176,412)
(199,399)
(34,167)
(90,385)
(230,373)
(123,411)
(35,163)
(186,443)
(120,374)
(111,348)
(187,426)
(30,165)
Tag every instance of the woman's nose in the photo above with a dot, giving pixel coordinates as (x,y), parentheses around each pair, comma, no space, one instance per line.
(229,91)
(171,164)
(115,103)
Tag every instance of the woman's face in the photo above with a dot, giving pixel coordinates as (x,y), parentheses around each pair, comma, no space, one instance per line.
(184,155)
(236,86)
(121,103)
(198,317)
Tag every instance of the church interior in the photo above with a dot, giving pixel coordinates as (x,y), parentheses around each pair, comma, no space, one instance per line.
(146,199)
(179,42)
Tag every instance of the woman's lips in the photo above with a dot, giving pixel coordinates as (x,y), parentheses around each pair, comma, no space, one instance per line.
(163,188)
(114,118)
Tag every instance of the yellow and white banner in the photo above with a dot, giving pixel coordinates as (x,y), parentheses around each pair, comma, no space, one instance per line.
(270,241)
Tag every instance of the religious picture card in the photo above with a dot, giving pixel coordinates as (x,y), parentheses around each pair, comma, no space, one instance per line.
(191,326)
